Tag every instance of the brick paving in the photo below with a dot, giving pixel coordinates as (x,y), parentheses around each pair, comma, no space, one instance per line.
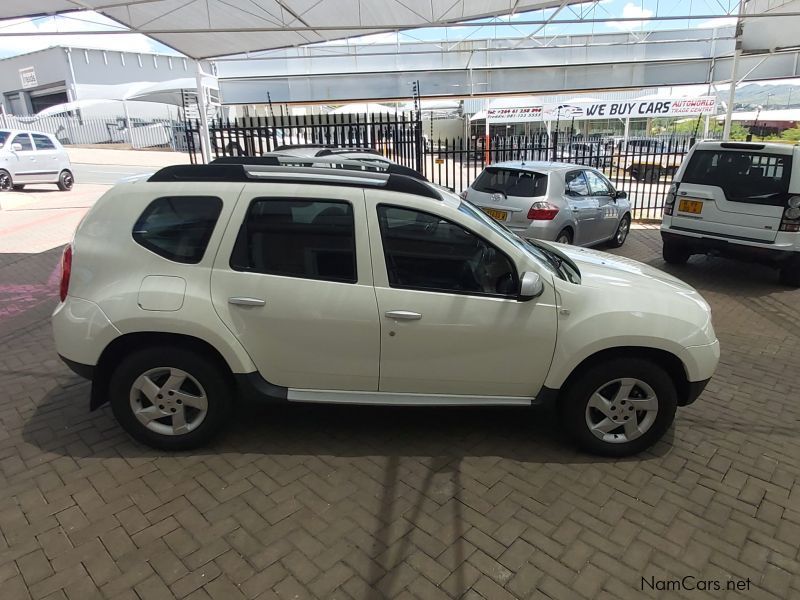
(353,502)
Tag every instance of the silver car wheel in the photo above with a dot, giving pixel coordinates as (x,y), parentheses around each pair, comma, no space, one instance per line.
(621,410)
(5,182)
(168,401)
(623,230)
(563,238)
(67,180)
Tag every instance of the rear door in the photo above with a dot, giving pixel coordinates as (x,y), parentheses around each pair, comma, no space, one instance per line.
(507,194)
(734,192)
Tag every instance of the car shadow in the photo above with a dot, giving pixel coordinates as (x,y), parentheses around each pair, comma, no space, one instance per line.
(285,428)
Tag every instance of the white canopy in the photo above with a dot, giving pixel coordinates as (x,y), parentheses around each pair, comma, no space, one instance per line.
(203,29)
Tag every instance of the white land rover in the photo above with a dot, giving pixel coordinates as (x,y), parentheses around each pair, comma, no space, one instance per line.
(737,199)
(202,284)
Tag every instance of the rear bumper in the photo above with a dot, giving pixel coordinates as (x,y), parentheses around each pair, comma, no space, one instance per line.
(748,249)
(80,369)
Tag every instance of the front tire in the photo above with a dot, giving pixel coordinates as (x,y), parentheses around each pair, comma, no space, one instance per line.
(619,407)
(170,398)
(65,180)
(6,183)
(674,253)
(623,229)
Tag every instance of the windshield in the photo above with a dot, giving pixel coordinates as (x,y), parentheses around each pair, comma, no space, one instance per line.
(556,263)
(3,137)
(511,182)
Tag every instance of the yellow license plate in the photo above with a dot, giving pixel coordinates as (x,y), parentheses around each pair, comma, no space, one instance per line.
(497,215)
(690,206)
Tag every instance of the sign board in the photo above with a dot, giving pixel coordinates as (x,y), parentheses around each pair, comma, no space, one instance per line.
(519,114)
(438,161)
(607,109)
(27,77)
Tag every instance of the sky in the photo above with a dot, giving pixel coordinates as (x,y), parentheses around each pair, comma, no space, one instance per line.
(634,9)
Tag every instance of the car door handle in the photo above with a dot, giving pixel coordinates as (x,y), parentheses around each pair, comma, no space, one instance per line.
(244,301)
(403,315)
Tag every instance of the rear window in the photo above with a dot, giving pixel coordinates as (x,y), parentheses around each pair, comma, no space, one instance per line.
(178,227)
(511,182)
(43,142)
(753,177)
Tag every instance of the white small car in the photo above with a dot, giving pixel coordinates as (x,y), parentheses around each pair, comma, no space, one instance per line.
(205,283)
(736,199)
(33,157)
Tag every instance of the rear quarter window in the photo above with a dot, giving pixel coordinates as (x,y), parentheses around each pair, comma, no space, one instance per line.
(511,182)
(178,228)
(744,176)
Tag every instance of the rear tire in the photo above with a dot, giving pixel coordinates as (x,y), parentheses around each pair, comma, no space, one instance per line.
(170,398)
(564,236)
(623,229)
(619,407)
(674,253)
(18,187)
(789,273)
(65,180)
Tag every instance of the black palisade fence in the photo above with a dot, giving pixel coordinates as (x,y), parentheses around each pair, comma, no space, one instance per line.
(643,167)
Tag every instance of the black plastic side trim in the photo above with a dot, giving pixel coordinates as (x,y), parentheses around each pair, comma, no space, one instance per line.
(695,388)
(85,371)
(546,397)
(255,388)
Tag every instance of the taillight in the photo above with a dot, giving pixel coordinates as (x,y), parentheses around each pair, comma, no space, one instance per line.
(542,211)
(790,221)
(672,194)
(66,271)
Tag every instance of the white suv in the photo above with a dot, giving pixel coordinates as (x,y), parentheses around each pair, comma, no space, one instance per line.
(297,284)
(736,199)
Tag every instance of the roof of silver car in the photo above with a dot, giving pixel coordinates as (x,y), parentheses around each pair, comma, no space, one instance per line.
(537,165)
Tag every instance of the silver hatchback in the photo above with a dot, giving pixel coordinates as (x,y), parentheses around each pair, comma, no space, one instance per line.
(33,157)
(566,203)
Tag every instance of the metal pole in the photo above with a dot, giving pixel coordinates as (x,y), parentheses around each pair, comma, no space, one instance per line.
(627,132)
(127,122)
(726,130)
(205,140)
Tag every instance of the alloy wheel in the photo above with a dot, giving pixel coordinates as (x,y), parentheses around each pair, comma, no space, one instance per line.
(621,410)
(5,182)
(623,230)
(168,401)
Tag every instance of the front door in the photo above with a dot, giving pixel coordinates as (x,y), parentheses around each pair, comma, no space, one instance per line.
(293,281)
(608,213)
(23,162)
(450,320)
(583,206)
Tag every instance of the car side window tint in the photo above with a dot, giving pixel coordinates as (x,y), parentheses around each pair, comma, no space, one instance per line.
(43,142)
(24,140)
(426,252)
(597,185)
(575,184)
(178,228)
(312,239)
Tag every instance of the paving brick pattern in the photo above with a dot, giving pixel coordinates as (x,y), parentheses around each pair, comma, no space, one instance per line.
(358,503)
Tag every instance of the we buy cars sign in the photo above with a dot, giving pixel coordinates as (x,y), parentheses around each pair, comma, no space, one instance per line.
(607,109)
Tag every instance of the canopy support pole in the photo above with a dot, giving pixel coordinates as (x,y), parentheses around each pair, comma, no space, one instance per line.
(726,130)
(205,140)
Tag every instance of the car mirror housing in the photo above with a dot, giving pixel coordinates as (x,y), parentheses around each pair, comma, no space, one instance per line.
(17,147)
(530,286)
(620,195)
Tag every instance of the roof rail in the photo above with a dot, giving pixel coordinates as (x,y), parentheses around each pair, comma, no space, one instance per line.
(321,146)
(276,174)
(332,151)
(312,161)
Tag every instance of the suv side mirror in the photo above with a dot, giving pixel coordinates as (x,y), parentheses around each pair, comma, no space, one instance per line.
(620,195)
(17,147)
(530,285)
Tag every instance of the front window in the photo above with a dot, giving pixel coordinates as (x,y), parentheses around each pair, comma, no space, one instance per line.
(24,140)
(744,176)
(4,137)
(511,182)
(426,252)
